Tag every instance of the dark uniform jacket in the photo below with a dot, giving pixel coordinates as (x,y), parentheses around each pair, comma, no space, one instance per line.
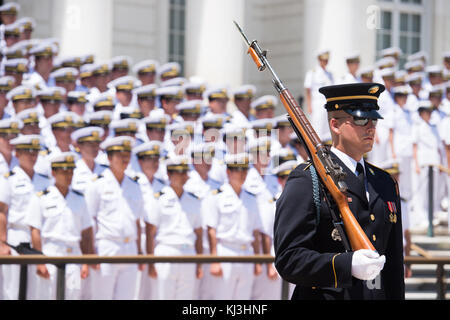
(306,253)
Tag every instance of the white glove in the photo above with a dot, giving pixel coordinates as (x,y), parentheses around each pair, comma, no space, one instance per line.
(367,264)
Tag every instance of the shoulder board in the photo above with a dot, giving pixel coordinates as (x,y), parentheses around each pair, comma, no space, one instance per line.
(78,192)
(216,191)
(104,165)
(8,174)
(43,192)
(193,195)
(158,194)
(134,178)
(159,180)
(250,193)
(97,176)
(43,152)
(43,175)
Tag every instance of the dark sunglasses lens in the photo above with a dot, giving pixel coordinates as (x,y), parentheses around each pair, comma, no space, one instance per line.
(364,121)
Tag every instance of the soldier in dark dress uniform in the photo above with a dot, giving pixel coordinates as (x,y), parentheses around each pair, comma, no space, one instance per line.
(309,251)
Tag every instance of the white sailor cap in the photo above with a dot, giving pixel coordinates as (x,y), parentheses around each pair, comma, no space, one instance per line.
(22,92)
(19,65)
(437,90)
(387,73)
(213,120)
(92,133)
(216,92)
(10,125)
(281,121)
(246,91)
(386,62)
(263,124)
(51,93)
(13,29)
(391,52)
(87,58)
(323,53)
(121,62)
(6,83)
(420,55)
(101,68)
(434,70)
(401,90)
(170,69)
(10,8)
(105,99)
(178,163)
(124,125)
(157,120)
(76,97)
(29,116)
(67,74)
(199,150)
(125,83)
(172,92)
(64,119)
(231,130)
(259,144)
(282,155)
(27,141)
(68,61)
(415,66)
(181,128)
(150,149)
(446,55)
(284,169)
(366,71)
(146,91)
(63,160)
(352,56)
(177,81)
(415,78)
(425,105)
(238,160)
(15,51)
(400,75)
(264,102)
(146,66)
(194,87)
(120,143)
(99,118)
(87,70)
(191,107)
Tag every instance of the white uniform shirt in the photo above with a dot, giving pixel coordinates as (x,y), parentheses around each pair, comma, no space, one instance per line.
(234,217)
(5,167)
(256,184)
(59,218)
(198,186)
(16,191)
(115,207)
(426,136)
(175,218)
(401,121)
(82,175)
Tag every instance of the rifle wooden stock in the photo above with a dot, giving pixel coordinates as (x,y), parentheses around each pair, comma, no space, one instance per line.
(356,236)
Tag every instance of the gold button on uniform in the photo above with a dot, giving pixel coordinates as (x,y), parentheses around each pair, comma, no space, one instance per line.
(372,217)
(374,237)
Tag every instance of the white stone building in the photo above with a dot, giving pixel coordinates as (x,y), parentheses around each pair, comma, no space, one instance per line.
(201,35)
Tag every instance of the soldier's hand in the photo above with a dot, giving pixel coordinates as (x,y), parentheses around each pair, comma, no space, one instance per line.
(84,271)
(199,271)
(216,269)
(367,264)
(152,271)
(258,269)
(272,273)
(5,250)
(42,271)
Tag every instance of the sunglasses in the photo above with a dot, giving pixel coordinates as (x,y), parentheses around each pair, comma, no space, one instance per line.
(360,121)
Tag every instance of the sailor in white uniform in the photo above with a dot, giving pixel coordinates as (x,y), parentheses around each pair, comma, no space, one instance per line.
(233,221)
(18,186)
(60,226)
(116,204)
(174,227)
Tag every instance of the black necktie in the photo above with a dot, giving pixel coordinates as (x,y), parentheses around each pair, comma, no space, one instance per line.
(360,171)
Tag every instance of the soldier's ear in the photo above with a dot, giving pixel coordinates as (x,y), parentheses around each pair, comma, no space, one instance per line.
(334,126)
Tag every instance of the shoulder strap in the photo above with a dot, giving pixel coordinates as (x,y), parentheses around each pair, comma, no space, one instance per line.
(316,192)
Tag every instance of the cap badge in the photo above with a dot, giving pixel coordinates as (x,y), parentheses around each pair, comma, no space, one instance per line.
(374,89)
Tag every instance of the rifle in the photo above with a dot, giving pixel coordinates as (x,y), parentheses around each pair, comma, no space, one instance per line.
(330,173)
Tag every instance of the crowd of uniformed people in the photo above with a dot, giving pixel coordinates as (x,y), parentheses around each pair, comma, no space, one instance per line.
(115,158)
